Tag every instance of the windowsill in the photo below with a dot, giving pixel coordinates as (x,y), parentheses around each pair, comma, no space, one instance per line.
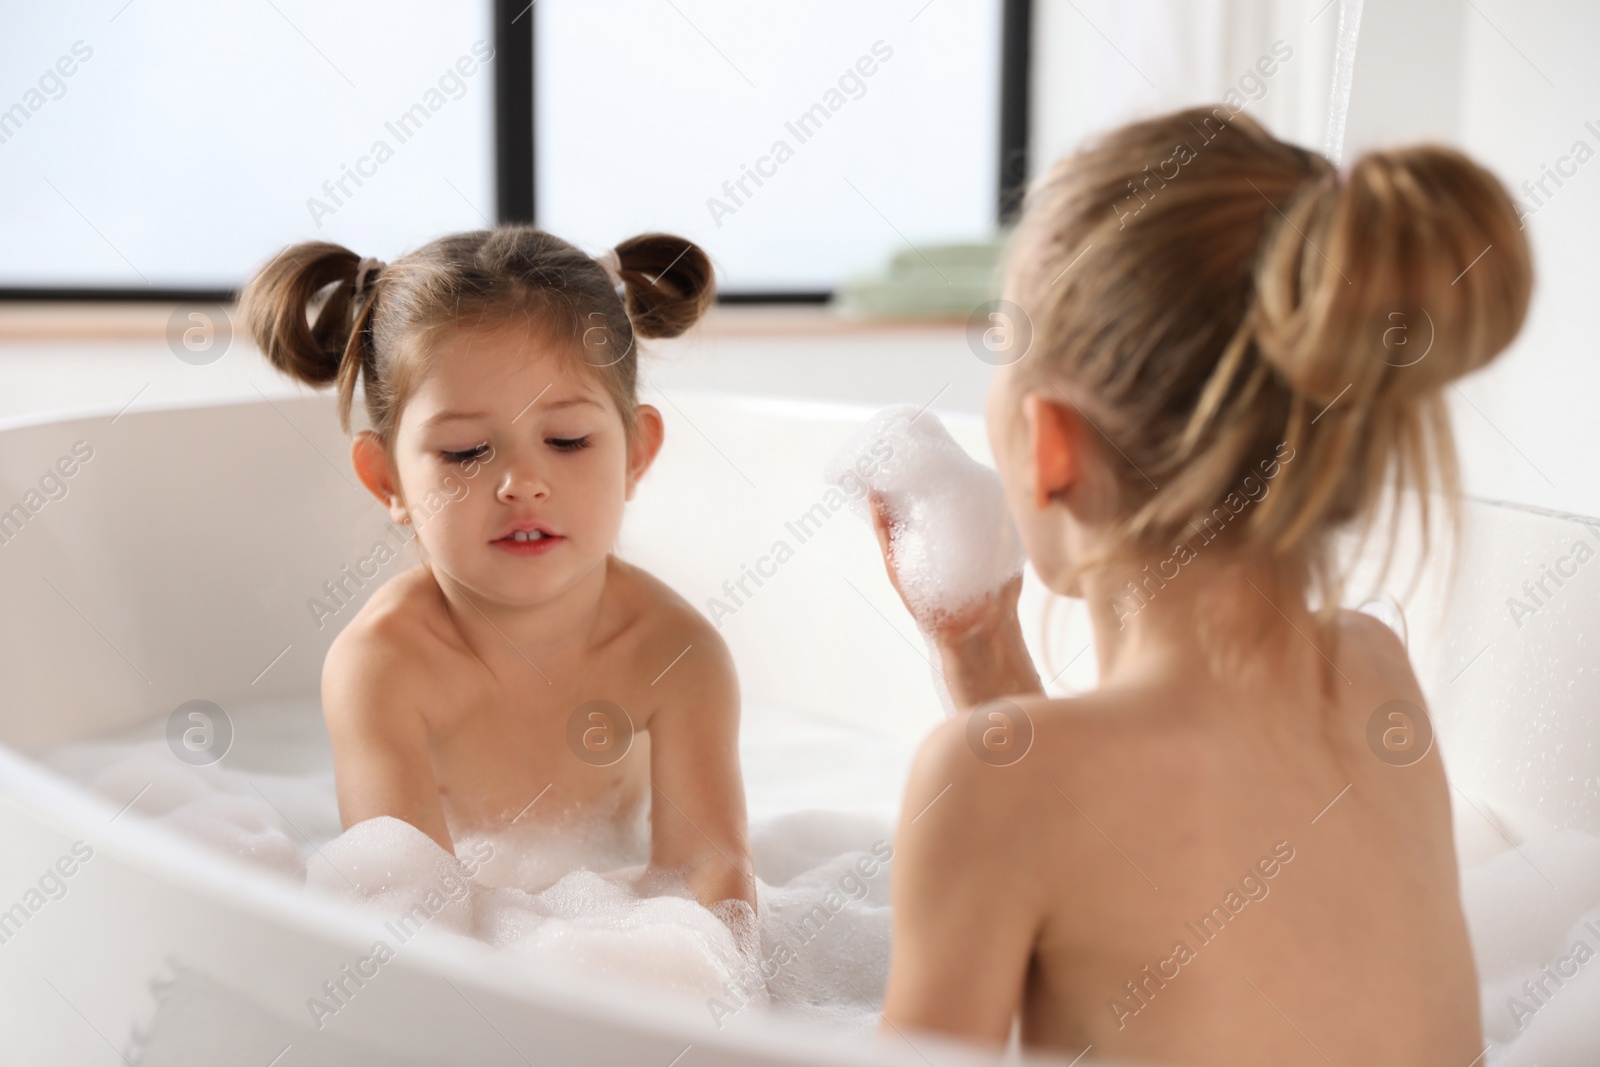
(121,321)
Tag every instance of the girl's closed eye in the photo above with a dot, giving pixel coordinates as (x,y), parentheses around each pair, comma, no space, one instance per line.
(567,444)
(465,455)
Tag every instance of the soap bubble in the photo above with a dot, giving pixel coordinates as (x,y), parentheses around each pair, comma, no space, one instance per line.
(953,541)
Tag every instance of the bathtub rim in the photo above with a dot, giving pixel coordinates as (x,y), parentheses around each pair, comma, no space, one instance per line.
(792,407)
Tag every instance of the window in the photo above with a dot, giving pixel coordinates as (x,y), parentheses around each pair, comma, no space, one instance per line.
(176,145)
(154,148)
(797,143)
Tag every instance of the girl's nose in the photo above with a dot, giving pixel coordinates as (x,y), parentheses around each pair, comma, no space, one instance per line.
(521,482)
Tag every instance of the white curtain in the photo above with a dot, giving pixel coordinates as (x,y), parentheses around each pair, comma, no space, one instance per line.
(1100,63)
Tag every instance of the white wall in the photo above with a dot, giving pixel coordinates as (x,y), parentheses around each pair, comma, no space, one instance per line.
(1513,83)
(1536,406)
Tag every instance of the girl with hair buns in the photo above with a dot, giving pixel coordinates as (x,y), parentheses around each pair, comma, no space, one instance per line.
(515,664)
(1205,859)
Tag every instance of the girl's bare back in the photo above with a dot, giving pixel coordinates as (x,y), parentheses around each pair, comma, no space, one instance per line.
(1215,872)
(1226,853)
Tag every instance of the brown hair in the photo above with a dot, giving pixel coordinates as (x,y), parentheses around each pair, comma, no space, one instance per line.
(1235,302)
(323,314)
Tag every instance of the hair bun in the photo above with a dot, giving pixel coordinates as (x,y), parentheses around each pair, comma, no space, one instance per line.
(277,303)
(1405,275)
(669,282)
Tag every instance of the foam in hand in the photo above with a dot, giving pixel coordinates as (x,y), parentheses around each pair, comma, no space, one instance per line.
(952,541)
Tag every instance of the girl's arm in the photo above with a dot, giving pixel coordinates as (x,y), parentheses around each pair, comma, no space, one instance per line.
(981,652)
(381,763)
(964,914)
(697,810)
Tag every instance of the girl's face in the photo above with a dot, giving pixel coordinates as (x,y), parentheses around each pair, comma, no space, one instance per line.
(512,463)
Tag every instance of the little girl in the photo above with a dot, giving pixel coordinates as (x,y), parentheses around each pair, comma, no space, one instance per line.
(522,673)
(1224,854)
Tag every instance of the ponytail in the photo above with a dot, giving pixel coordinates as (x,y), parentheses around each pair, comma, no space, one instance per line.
(335,284)
(1375,293)
(1418,233)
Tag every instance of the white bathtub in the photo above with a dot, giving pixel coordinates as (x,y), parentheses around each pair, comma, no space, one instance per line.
(178,565)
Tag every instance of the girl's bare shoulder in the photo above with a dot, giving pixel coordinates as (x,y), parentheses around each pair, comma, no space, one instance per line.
(653,614)
(1037,783)
(1093,738)
(403,630)
(1368,645)
(686,666)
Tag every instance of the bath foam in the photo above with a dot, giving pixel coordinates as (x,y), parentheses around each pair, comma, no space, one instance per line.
(953,541)
(247,831)
(206,804)
(400,870)
(586,919)
(566,896)
(533,856)
(820,946)
(1557,1019)
(599,923)
(824,932)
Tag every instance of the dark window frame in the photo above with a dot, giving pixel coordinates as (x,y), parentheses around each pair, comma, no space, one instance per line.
(516,195)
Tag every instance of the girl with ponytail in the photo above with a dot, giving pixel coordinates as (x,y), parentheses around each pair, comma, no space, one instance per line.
(1238,848)
(498,371)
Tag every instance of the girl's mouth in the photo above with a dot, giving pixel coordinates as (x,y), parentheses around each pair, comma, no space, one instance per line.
(528,542)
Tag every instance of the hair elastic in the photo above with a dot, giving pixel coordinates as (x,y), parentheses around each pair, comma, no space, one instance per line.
(369,267)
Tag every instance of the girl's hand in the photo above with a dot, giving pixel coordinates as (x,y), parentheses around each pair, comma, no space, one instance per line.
(981,648)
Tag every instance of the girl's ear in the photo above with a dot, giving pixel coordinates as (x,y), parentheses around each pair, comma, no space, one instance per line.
(648,432)
(1053,431)
(371,461)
